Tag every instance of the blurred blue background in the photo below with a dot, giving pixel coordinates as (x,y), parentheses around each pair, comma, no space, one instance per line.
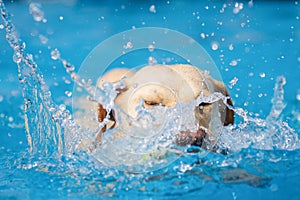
(254,41)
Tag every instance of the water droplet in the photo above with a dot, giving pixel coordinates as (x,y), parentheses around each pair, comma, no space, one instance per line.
(1,26)
(202,35)
(233,82)
(55,54)
(62,107)
(67,81)
(151,47)
(61,18)
(214,46)
(262,75)
(128,45)
(223,8)
(17,57)
(1,98)
(238,7)
(152,9)
(10,119)
(36,12)
(233,63)
(230,47)
(68,93)
(43,39)
(298,95)
(151,60)
(69,67)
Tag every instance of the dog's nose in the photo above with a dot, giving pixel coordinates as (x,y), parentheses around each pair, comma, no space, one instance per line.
(188,137)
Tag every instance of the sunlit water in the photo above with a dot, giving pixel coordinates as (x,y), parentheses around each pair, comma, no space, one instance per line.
(263,150)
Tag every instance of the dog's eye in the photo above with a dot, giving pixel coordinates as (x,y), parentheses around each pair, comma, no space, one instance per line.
(202,105)
(151,103)
(112,115)
(112,118)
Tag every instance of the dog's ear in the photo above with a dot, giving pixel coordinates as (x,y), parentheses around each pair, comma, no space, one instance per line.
(115,75)
(229,114)
(101,114)
(111,76)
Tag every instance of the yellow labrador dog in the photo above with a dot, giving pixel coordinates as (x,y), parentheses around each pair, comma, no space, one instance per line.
(167,85)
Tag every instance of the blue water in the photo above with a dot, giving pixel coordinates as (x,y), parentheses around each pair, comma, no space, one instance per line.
(256,45)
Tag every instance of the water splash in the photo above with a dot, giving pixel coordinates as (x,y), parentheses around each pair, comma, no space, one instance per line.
(265,134)
(37,13)
(46,123)
(53,135)
(233,82)
(277,101)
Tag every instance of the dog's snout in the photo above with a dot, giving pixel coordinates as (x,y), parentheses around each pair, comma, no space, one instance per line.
(188,137)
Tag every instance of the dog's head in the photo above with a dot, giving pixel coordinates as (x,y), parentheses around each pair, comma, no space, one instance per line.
(165,86)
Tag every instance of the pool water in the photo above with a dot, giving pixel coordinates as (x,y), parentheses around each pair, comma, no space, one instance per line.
(255,46)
